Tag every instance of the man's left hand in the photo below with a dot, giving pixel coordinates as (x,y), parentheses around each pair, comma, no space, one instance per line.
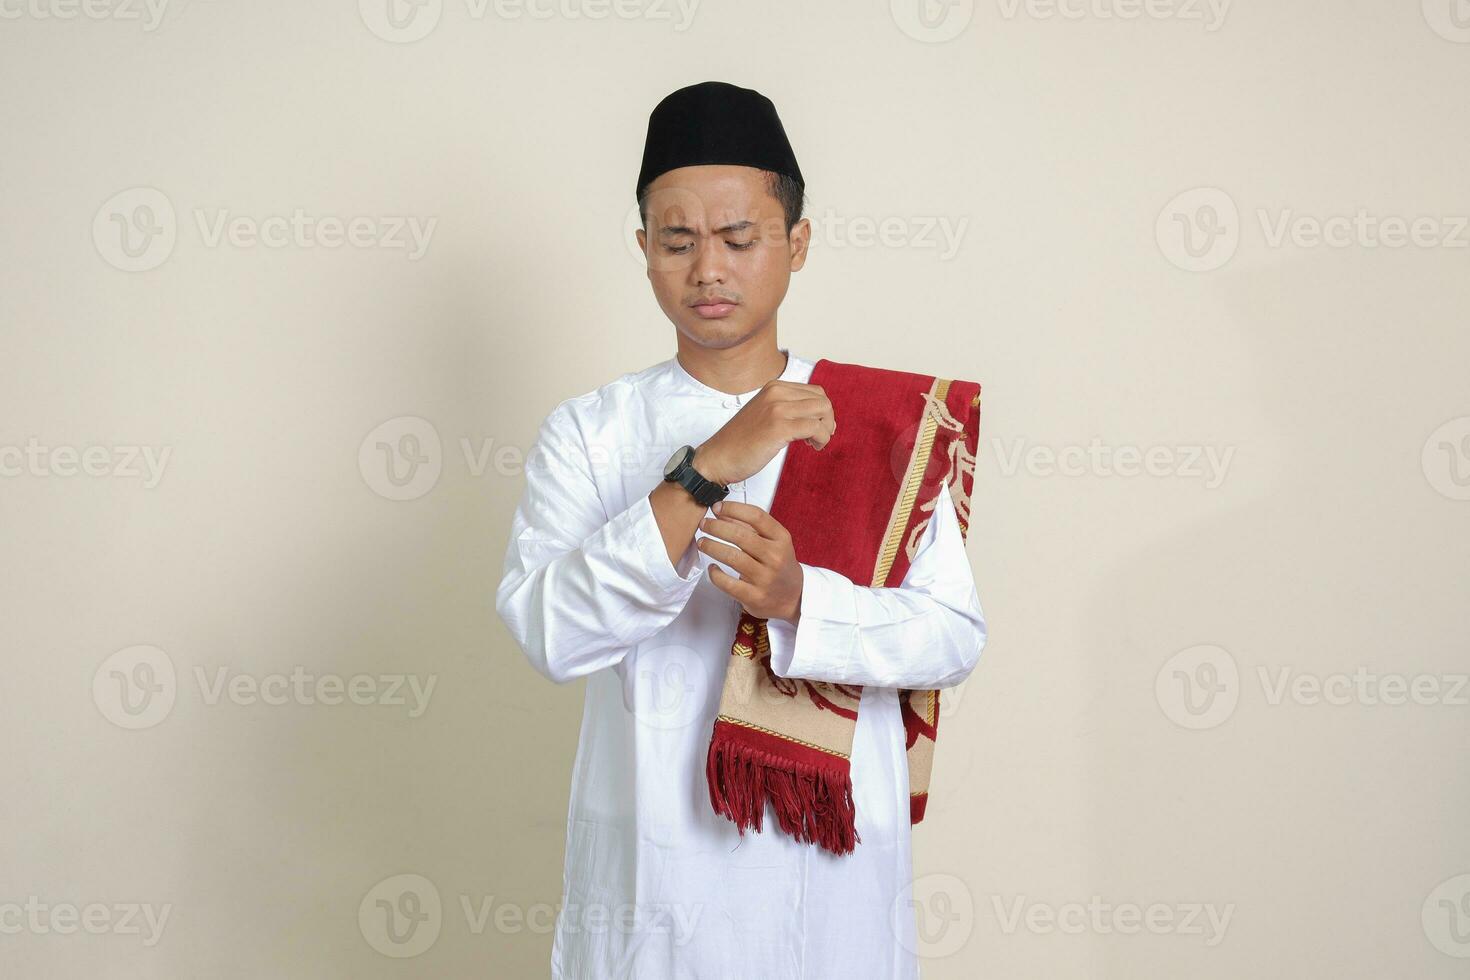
(760,549)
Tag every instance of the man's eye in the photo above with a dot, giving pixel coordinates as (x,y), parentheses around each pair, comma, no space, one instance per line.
(677,249)
(742,246)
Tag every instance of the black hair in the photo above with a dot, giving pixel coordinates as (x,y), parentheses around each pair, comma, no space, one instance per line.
(790,193)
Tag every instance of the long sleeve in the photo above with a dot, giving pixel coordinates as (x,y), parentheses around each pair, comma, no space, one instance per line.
(925,634)
(579,590)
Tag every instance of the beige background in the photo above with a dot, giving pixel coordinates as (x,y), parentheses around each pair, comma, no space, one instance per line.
(1329,380)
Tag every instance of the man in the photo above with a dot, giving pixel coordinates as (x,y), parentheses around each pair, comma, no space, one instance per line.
(617,571)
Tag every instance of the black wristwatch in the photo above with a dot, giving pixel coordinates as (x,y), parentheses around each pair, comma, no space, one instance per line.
(680,469)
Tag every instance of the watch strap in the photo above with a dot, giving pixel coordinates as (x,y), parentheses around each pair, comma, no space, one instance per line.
(703,490)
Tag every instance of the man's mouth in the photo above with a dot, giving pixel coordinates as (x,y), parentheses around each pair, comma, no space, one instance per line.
(713,307)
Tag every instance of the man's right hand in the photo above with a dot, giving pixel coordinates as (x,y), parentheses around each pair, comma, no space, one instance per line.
(779,413)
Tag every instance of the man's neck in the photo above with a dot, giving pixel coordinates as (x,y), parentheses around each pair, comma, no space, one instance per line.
(734,370)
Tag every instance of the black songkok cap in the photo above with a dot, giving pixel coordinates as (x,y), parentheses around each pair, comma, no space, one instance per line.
(715,122)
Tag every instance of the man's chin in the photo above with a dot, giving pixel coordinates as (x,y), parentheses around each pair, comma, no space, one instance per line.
(726,331)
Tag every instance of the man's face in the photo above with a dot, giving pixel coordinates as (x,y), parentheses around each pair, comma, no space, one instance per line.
(719,257)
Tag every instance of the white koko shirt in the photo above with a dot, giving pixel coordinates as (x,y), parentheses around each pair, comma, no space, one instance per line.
(656,885)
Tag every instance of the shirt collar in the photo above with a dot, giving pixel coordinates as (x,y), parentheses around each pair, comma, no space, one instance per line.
(688,381)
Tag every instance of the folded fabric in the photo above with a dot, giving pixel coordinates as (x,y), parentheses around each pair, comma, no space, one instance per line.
(858,506)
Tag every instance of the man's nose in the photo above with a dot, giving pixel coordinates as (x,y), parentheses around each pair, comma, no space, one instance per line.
(709,264)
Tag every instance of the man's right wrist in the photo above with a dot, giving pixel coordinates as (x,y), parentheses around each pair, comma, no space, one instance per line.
(706,463)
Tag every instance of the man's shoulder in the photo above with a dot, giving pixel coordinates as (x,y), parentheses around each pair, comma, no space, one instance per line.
(607,400)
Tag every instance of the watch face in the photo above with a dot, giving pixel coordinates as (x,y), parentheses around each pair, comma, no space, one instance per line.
(675,460)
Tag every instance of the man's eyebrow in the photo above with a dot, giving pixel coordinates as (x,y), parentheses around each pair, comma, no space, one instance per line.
(686,230)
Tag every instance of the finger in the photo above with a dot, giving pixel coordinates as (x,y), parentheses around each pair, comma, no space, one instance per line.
(730,555)
(818,440)
(806,408)
(764,524)
(799,388)
(730,585)
(731,529)
(741,535)
(815,432)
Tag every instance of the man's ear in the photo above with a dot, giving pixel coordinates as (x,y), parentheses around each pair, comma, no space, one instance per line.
(642,237)
(801,236)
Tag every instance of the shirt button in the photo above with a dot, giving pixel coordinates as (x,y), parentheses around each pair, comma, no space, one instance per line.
(732,403)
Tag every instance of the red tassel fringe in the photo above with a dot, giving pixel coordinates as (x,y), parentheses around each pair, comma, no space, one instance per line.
(812,803)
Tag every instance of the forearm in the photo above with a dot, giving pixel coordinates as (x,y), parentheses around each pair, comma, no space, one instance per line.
(678,515)
(899,638)
(583,608)
(927,633)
